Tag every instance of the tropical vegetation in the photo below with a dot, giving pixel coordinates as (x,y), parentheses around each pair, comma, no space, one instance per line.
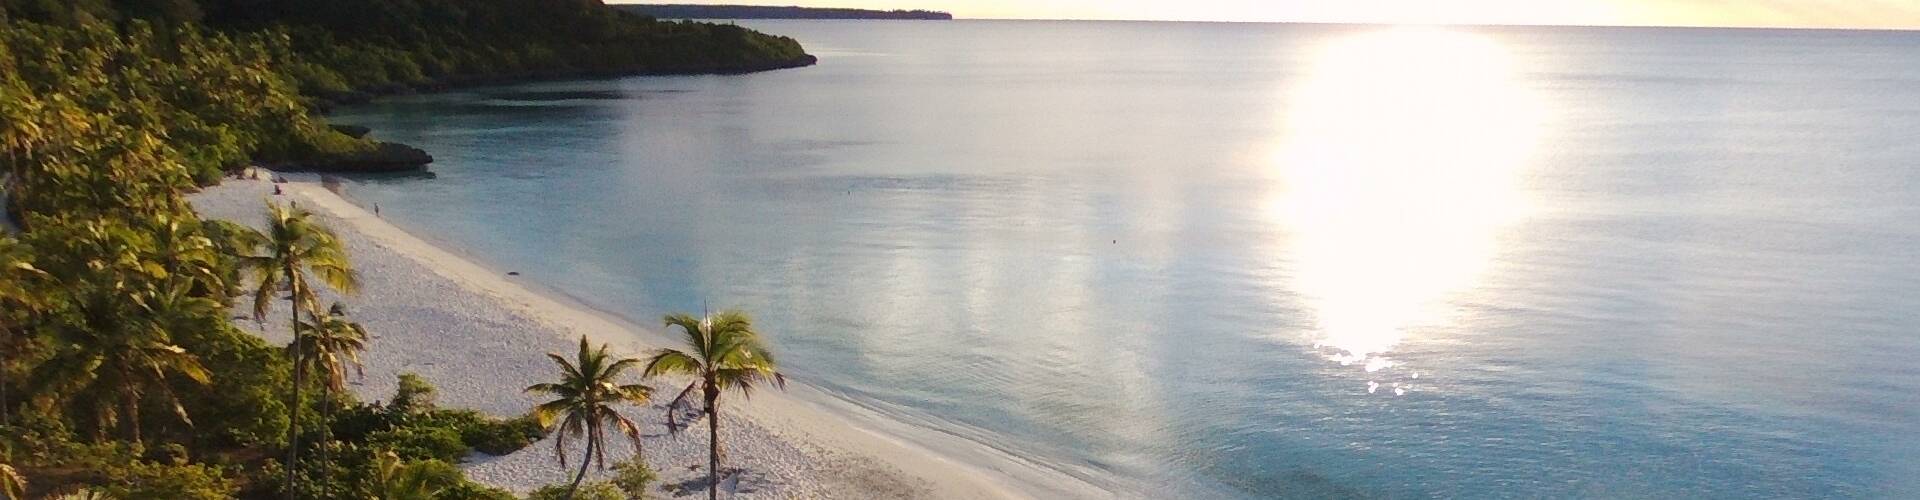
(122,372)
(295,248)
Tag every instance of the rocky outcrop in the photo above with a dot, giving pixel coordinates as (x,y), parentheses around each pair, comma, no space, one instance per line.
(384,157)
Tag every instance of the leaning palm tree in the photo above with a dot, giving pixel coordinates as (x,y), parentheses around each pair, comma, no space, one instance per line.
(332,343)
(114,357)
(727,354)
(583,405)
(296,246)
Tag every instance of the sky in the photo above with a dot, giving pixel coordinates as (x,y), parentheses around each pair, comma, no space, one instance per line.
(1752,13)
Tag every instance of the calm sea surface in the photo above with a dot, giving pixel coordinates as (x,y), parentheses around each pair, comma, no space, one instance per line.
(1260,261)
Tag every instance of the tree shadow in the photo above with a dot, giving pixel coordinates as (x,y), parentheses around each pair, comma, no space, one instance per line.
(733,481)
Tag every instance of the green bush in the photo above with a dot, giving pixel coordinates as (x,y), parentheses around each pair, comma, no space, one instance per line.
(633,477)
(412,427)
(500,437)
(422,442)
(180,482)
(474,491)
(588,491)
(414,395)
(245,405)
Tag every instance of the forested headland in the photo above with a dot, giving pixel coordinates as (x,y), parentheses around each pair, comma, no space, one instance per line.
(704,11)
(121,370)
(309,55)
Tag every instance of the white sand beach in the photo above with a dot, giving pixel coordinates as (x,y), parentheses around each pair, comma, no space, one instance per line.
(479,337)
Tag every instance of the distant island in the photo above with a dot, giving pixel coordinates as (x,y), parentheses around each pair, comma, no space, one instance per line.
(690,11)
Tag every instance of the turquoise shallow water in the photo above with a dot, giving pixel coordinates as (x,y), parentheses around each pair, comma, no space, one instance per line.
(1264,261)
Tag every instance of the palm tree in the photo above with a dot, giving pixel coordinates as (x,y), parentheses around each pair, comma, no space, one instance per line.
(182,248)
(583,405)
(296,245)
(234,239)
(114,356)
(726,354)
(332,343)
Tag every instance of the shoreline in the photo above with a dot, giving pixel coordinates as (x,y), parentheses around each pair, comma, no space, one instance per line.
(818,444)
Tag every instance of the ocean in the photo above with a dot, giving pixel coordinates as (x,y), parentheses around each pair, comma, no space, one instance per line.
(1205,260)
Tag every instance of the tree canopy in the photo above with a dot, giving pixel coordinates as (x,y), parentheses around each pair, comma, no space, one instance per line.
(120,367)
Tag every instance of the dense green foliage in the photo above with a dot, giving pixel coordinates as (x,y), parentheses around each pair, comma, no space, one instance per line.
(425,431)
(117,122)
(588,491)
(710,11)
(335,48)
(385,449)
(345,45)
(121,372)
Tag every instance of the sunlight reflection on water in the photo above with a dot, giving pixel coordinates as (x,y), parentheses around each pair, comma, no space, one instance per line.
(1400,162)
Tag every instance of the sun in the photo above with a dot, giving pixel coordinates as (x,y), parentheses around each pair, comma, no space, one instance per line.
(1403,151)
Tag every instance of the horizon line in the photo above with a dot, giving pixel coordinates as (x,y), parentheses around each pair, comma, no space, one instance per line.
(1383,23)
(956,17)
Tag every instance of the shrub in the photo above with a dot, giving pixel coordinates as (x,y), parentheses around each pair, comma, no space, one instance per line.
(413,428)
(633,477)
(500,437)
(414,395)
(473,491)
(343,476)
(421,443)
(588,491)
(182,482)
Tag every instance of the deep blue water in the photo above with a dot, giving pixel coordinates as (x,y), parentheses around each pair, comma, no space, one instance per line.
(1265,261)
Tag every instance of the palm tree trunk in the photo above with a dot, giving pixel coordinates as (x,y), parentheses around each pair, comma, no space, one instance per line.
(4,419)
(6,359)
(584,460)
(132,401)
(326,421)
(293,425)
(713,442)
